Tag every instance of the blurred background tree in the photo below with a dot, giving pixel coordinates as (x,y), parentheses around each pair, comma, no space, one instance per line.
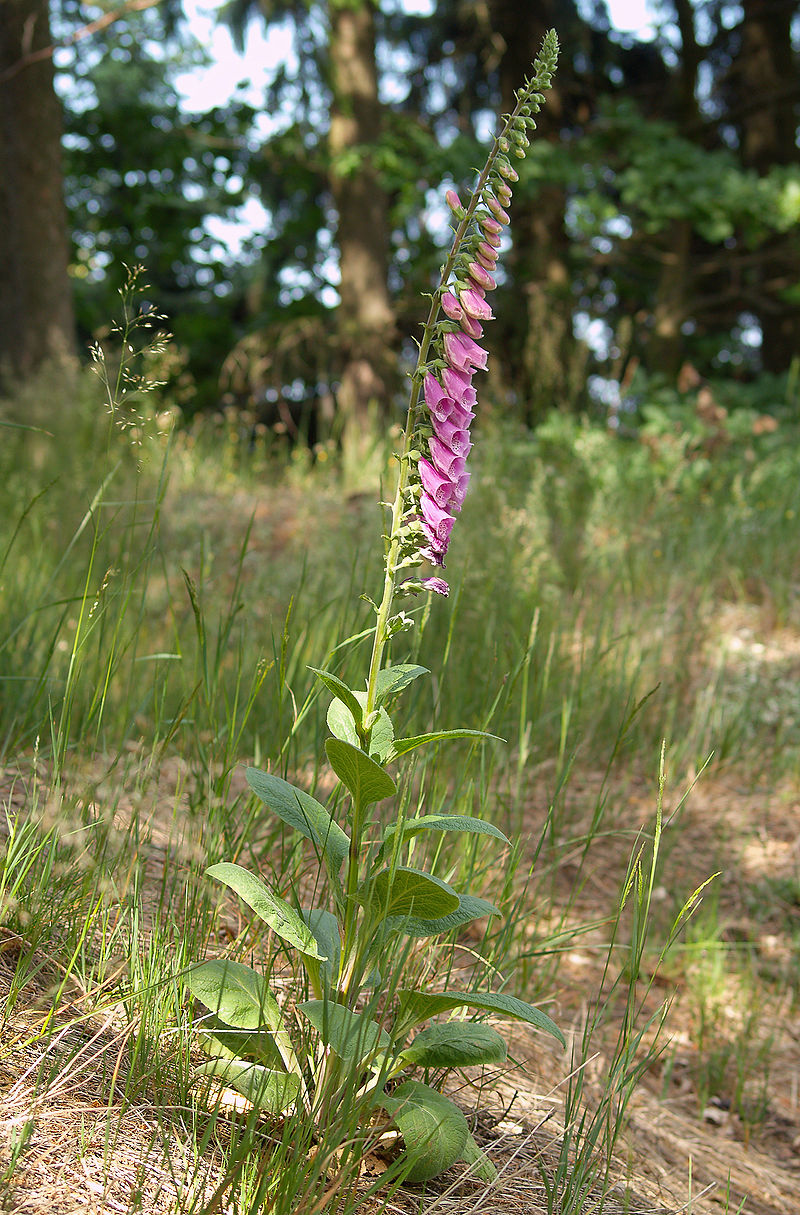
(655,223)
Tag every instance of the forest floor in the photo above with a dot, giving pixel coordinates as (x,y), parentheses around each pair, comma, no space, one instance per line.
(713,1125)
(697,1140)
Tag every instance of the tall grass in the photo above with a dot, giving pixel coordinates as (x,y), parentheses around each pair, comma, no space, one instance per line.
(159,608)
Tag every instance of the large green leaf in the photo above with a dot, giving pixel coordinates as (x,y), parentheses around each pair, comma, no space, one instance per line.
(269,1090)
(366,779)
(480,1164)
(345,694)
(394,679)
(303,812)
(281,917)
(235,993)
(456,1044)
(342,724)
(325,929)
(350,1035)
(219,1039)
(406,891)
(402,745)
(470,907)
(416,1006)
(441,822)
(434,1130)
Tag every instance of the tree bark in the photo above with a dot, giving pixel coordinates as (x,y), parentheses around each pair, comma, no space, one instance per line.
(366,320)
(766,73)
(36,310)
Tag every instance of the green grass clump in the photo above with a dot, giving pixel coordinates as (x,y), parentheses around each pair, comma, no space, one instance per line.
(161,601)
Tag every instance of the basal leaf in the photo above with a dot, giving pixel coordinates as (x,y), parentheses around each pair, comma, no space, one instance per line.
(342,725)
(236,994)
(434,1130)
(340,689)
(416,1006)
(219,1039)
(325,929)
(269,1090)
(456,1044)
(402,745)
(303,812)
(281,917)
(394,679)
(409,891)
(470,907)
(350,1035)
(366,779)
(480,1164)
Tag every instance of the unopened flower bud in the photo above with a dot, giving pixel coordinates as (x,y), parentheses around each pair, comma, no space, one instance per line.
(453,201)
(496,210)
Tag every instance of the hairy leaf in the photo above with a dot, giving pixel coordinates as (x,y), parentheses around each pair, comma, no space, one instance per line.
(434,1130)
(269,1090)
(342,724)
(394,679)
(402,745)
(281,917)
(416,1006)
(235,993)
(470,907)
(303,812)
(456,1044)
(366,779)
(350,1035)
(408,891)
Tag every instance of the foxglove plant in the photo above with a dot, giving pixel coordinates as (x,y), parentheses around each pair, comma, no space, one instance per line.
(376,897)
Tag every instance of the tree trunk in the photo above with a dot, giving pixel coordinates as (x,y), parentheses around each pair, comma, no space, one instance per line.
(36,311)
(766,80)
(365,313)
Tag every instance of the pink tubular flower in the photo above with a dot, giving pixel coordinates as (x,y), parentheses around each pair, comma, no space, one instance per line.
(451,307)
(462,353)
(481,276)
(490,227)
(454,437)
(458,385)
(436,584)
(471,327)
(453,201)
(475,305)
(436,484)
(503,192)
(445,460)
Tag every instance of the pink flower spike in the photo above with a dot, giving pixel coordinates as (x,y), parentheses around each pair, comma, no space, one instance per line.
(471,327)
(436,484)
(455,438)
(475,305)
(453,201)
(490,227)
(446,461)
(481,276)
(462,353)
(451,307)
(436,584)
